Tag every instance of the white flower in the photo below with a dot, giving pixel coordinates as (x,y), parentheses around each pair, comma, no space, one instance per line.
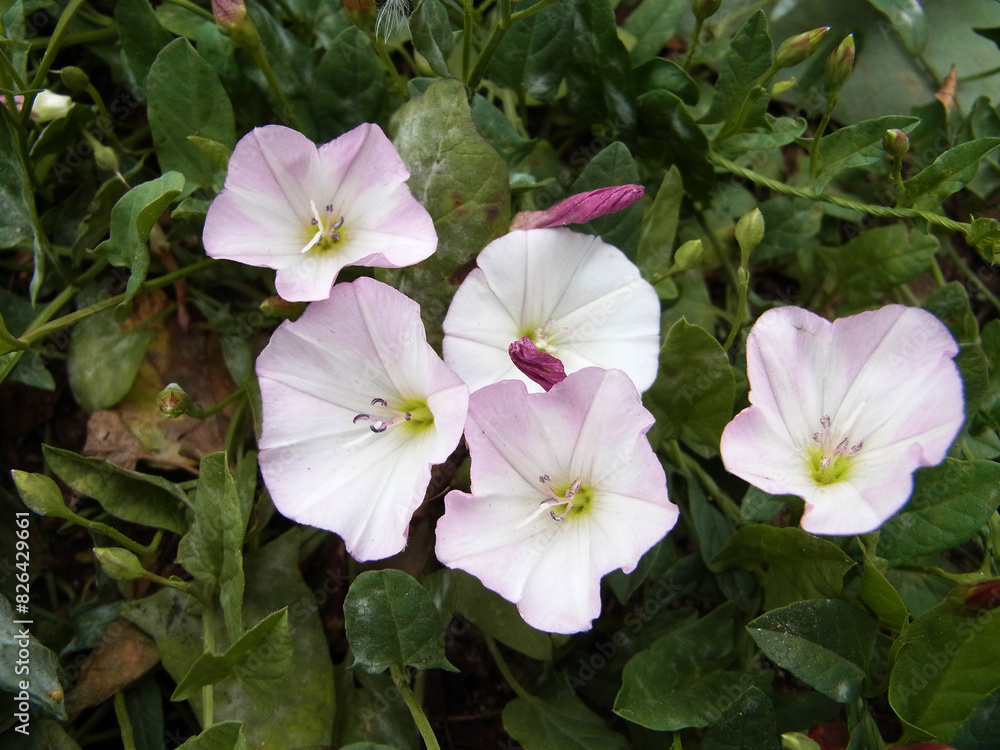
(843,413)
(309,212)
(357,407)
(576,297)
(565,488)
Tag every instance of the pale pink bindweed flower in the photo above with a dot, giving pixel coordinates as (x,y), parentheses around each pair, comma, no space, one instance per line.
(565,488)
(574,296)
(843,413)
(357,408)
(309,211)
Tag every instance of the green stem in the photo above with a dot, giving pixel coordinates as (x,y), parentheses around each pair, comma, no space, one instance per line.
(755,91)
(124,723)
(198,412)
(973,278)
(814,145)
(992,562)
(467,19)
(402,681)
(491,45)
(188,5)
(38,331)
(938,275)
(953,577)
(695,37)
(508,676)
(977,76)
(812,195)
(235,425)
(208,639)
(390,67)
(261,61)
(80,37)
(720,253)
(528,12)
(689,466)
(741,307)
(55,43)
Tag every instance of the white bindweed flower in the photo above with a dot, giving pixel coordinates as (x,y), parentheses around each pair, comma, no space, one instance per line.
(575,296)
(843,413)
(357,408)
(308,211)
(565,488)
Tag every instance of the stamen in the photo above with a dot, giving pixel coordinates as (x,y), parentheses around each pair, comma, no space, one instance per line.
(857,447)
(379,402)
(824,462)
(361,417)
(569,507)
(329,210)
(379,426)
(841,446)
(815,437)
(407,416)
(316,222)
(825,421)
(339,223)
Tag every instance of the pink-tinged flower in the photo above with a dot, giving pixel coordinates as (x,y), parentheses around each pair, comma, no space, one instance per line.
(565,488)
(581,208)
(843,413)
(575,296)
(308,211)
(47,105)
(543,368)
(357,408)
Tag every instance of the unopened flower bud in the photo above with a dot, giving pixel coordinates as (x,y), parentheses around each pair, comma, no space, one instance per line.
(40,493)
(798,741)
(540,366)
(50,106)
(895,143)
(174,401)
(74,78)
(362,14)
(705,8)
(232,16)
(688,255)
(840,63)
(749,233)
(119,563)
(982,597)
(277,307)
(797,48)
(581,208)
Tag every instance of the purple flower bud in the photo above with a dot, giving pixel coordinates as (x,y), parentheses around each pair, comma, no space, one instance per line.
(982,597)
(895,143)
(540,366)
(840,63)
(579,209)
(797,48)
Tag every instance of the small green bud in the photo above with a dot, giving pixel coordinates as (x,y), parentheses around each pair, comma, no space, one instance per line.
(174,402)
(840,63)
(106,158)
(688,255)
(705,8)
(41,494)
(277,307)
(749,233)
(797,48)
(798,741)
(232,16)
(74,78)
(363,14)
(119,563)
(895,143)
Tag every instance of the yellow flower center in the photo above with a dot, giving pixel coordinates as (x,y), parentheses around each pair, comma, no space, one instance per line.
(323,234)
(830,463)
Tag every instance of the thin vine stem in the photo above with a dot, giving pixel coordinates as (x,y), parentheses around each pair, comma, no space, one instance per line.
(402,680)
(972,277)
(508,676)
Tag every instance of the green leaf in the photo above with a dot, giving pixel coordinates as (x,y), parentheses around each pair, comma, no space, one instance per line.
(144,704)
(370,709)
(431,32)
(45,733)
(653,24)
(878,260)
(535,53)
(678,681)
(857,145)
(665,74)
(825,643)
(984,235)
(257,661)
(129,495)
(950,503)
(747,60)
(760,507)
(104,359)
(185,98)
(612,166)
(212,550)
(791,224)
(460,180)
(750,146)
(795,564)
(907,19)
(749,724)
(951,304)
(132,218)
(226,735)
(561,724)
(599,79)
(655,253)
(980,730)
(664,118)
(44,690)
(880,596)
(141,35)
(945,663)
(303,696)
(16,199)
(493,125)
(391,620)
(694,392)
(351,86)
(948,174)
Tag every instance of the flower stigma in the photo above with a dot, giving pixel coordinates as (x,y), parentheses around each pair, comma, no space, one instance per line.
(412,413)
(545,337)
(829,463)
(324,234)
(570,501)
